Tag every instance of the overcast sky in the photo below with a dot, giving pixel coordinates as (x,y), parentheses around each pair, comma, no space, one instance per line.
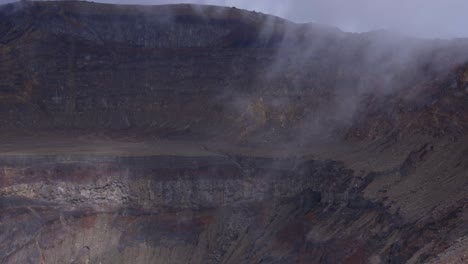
(423,18)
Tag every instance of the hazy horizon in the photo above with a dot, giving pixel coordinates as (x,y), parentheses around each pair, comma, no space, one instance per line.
(429,19)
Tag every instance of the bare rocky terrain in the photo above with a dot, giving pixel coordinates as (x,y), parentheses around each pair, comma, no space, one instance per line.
(203,134)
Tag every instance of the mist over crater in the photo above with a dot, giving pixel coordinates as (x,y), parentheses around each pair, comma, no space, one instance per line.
(206,134)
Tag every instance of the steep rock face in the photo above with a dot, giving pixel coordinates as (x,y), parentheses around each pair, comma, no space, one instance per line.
(248,72)
(198,134)
(203,210)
